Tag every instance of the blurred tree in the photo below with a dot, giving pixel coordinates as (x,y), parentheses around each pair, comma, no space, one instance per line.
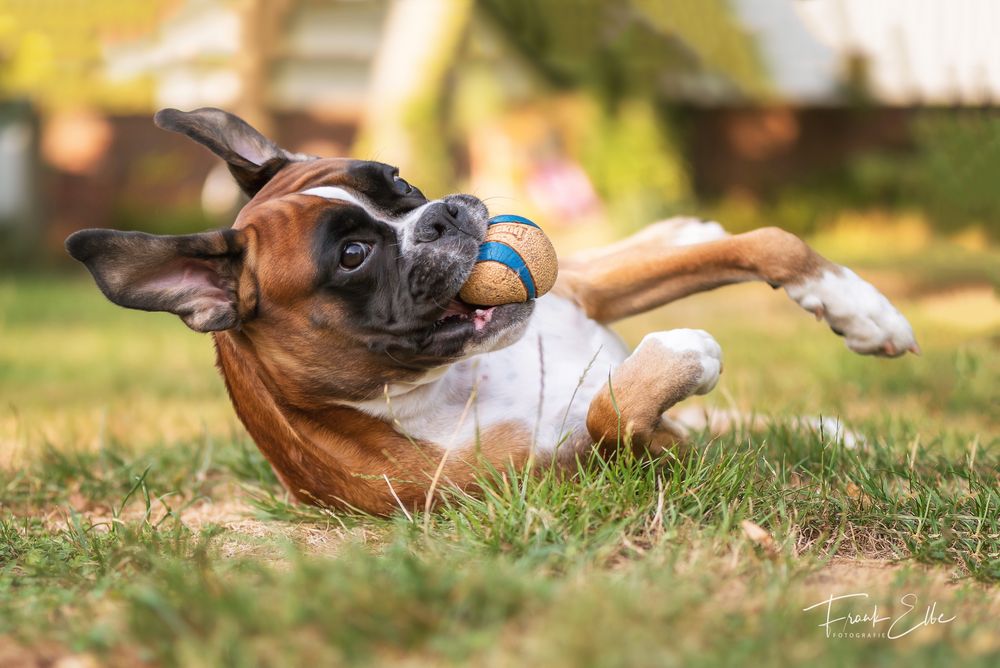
(404,120)
(635,160)
(262,24)
(635,57)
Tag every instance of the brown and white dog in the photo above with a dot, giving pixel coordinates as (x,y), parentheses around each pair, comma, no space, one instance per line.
(366,382)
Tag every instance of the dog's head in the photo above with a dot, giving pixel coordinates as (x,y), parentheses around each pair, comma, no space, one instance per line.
(340,274)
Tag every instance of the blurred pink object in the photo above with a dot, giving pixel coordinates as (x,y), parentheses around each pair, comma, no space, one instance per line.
(562,191)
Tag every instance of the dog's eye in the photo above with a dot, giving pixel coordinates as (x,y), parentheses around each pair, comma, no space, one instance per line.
(400,186)
(354,254)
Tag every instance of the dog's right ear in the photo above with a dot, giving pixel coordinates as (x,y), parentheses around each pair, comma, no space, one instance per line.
(194,276)
(252,158)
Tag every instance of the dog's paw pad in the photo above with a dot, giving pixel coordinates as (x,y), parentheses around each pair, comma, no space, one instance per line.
(698,342)
(854,309)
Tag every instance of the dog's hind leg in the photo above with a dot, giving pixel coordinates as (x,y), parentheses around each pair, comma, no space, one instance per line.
(650,269)
(666,367)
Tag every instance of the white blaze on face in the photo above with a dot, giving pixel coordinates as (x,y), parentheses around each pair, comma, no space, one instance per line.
(335,193)
(404,224)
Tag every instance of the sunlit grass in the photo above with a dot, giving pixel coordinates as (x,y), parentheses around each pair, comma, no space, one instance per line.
(139,523)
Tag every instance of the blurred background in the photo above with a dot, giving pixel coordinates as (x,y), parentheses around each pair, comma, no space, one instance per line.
(868,127)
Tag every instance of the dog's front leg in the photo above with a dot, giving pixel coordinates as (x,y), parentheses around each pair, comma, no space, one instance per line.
(666,367)
(649,270)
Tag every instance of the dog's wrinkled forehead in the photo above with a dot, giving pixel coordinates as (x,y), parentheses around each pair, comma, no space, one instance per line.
(374,187)
(377,187)
(347,195)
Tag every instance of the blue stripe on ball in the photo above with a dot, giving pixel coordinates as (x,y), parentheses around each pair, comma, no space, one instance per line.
(510,218)
(505,255)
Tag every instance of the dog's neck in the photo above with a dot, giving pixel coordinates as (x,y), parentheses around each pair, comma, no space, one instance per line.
(338,456)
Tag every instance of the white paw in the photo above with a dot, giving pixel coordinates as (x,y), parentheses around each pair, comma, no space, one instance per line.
(855,309)
(697,341)
(689,231)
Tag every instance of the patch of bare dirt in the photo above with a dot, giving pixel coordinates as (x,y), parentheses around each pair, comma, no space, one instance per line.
(47,654)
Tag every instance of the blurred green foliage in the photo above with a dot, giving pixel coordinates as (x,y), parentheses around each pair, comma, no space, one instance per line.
(661,48)
(950,173)
(634,159)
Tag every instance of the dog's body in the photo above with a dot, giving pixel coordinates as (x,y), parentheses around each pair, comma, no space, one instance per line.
(366,383)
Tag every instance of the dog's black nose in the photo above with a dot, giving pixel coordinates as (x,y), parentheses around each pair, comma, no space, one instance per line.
(439,221)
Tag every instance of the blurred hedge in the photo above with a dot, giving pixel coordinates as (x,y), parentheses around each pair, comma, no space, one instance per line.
(951,172)
(948,173)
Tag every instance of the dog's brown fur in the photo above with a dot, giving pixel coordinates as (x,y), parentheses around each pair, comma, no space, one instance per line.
(340,457)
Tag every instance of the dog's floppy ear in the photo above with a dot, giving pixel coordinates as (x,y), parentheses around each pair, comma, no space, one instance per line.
(252,158)
(195,276)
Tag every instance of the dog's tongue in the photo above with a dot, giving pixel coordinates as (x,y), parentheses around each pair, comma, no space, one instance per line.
(480,316)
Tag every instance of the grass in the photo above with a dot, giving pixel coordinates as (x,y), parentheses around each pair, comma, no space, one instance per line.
(139,525)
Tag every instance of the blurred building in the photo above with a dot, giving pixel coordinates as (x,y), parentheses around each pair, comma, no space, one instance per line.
(19,223)
(848,75)
(261,58)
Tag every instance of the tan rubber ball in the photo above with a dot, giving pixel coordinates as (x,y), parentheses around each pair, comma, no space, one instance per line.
(518,257)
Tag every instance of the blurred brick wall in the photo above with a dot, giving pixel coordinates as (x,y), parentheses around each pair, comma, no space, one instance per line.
(757,151)
(147,177)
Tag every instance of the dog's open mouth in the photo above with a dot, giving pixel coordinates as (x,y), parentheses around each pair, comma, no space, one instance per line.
(461,325)
(458,311)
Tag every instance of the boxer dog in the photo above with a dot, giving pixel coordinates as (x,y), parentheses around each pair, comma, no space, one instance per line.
(368,384)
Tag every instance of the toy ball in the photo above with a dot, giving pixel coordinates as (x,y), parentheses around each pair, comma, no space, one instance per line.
(516,263)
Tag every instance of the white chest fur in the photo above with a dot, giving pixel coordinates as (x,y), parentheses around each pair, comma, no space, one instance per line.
(544,381)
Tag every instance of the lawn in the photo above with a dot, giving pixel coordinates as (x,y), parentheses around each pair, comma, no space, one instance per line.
(140,525)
